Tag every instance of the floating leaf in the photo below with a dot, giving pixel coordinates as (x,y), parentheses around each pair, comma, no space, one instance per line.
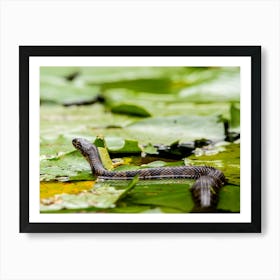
(234,115)
(167,193)
(49,189)
(229,198)
(119,145)
(150,149)
(66,92)
(69,167)
(172,128)
(51,72)
(161,85)
(224,87)
(127,76)
(102,195)
(103,152)
(156,163)
(130,109)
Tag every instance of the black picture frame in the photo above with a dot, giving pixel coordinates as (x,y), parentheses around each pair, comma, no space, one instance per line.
(254,52)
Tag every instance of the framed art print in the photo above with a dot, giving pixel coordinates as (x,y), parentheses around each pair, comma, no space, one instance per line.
(140,138)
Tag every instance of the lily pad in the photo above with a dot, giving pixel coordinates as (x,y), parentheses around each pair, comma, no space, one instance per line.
(49,73)
(225,87)
(129,77)
(130,109)
(165,104)
(102,195)
(166,193)
(103,152)
(82,121)
(229,199)
(68,167)
(170,129)
(235,115)
(150,149)
(156,85)
(50,189)
(119,145)
(66,92)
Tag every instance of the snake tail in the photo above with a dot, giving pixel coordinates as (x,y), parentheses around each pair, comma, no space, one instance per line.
(204,191)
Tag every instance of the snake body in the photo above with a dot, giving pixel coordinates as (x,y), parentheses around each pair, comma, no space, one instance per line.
(208,179)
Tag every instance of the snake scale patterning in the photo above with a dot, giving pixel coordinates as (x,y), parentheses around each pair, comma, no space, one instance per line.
(208,179)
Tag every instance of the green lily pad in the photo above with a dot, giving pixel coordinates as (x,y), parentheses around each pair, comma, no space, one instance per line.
(156,163)
(68,167)
(50,189)
(235,115)
(83,121)
(160,85)
(66,92)
(150,149)
(103,152)
(224,87)
(50,73)
(127,77)
(229,199)
(119,145)
(171,128)
(165,193)
(130,109)
(103,195)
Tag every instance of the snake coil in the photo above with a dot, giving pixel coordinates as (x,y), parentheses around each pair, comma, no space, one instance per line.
(208,179)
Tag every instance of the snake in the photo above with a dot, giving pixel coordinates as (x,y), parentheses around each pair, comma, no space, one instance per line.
(208,180)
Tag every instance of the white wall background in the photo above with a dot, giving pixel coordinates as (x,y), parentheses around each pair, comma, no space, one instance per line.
(139,256)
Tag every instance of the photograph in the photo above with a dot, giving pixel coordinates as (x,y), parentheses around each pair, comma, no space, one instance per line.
(139,139)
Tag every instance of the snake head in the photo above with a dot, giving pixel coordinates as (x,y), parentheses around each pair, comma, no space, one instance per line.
(82,145)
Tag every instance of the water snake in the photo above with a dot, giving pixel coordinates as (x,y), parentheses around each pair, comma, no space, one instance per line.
(208,179)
